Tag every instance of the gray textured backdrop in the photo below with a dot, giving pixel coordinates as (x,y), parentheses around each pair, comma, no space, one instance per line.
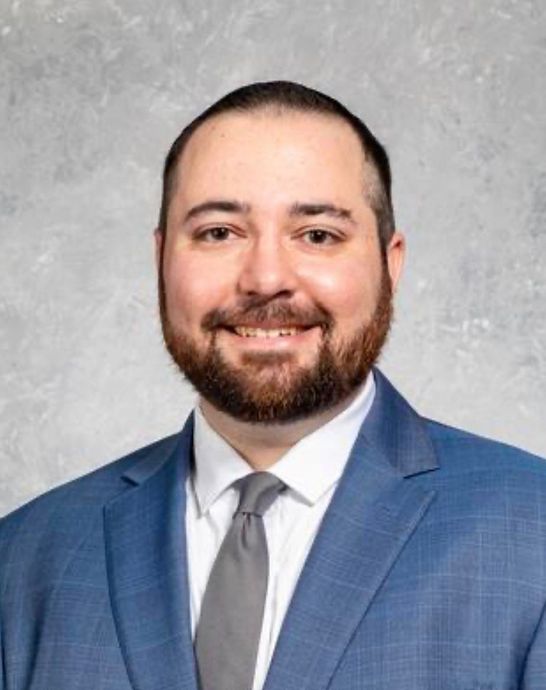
(93,92)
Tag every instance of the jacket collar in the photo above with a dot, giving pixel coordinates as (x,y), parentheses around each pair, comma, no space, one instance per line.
(395,434)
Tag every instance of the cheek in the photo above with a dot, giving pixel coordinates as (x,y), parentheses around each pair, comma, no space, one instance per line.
(347,291)
(191,291)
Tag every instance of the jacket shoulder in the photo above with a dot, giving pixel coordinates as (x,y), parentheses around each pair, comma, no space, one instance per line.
(461,451)
(67,509)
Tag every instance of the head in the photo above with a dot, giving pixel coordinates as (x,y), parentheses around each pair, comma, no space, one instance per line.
(277,252)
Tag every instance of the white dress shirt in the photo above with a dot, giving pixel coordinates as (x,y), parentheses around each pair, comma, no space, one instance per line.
(311,470)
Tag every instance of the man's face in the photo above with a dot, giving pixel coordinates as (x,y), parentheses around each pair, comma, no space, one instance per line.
(274,298)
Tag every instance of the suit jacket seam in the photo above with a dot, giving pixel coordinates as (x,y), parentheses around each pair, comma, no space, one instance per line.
(534,636)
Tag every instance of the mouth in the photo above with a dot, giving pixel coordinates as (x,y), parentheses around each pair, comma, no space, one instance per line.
(279,332)
(280,337)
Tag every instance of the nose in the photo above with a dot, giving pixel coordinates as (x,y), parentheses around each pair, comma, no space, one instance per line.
(267,269)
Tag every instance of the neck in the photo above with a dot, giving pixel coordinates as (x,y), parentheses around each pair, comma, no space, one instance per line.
(261,445)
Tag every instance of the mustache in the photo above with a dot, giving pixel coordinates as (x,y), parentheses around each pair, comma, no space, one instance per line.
(258,309)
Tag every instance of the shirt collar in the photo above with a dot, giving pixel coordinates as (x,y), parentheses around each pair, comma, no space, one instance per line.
(309,468)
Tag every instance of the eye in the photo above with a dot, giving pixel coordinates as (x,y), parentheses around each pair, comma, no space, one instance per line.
(218,233)
(319,236)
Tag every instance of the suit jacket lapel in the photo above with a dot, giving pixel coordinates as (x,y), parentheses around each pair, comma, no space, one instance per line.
(147,569)
(373,513)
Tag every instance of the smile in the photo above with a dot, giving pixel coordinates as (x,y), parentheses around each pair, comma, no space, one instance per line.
(279,338)
(248,332)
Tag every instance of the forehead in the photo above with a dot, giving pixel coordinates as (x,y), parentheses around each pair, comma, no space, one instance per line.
(273,154)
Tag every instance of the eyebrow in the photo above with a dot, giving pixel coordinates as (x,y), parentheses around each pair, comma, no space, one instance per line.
(225,205)
(297,209)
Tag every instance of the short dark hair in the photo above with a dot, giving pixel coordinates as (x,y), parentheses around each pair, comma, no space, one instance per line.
(287,95)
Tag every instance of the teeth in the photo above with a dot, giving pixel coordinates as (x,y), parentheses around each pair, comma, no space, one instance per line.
(263,333)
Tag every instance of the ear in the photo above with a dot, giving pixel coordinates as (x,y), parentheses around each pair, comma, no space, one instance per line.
(396,253)
(158,240)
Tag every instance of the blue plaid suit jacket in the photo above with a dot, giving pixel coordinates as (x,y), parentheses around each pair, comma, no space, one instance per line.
(428,572)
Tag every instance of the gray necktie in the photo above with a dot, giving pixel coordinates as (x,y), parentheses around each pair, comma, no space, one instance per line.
(228,633)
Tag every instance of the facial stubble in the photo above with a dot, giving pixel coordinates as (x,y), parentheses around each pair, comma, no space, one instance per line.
(270,388)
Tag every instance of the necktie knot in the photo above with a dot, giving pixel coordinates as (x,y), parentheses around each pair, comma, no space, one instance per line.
(257,492)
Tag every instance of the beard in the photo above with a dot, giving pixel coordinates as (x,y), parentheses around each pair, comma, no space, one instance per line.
(269,388)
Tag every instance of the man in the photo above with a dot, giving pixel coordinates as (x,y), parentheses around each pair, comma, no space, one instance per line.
(307,529)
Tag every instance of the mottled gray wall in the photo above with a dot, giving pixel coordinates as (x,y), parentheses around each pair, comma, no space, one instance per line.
(93,92)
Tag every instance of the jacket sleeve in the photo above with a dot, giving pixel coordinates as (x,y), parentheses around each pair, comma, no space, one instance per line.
(2,651)
(534,674)
(2,674)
